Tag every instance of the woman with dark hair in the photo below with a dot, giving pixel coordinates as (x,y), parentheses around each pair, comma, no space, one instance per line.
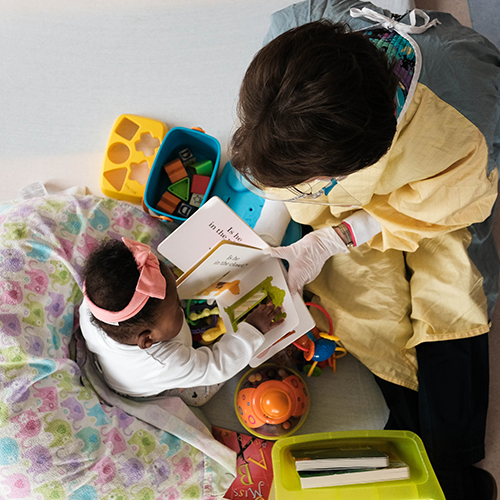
(385,140)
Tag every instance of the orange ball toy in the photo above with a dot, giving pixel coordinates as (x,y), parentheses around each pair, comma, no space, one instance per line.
(271,401)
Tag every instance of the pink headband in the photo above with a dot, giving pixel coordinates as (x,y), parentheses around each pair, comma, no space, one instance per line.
(151,283)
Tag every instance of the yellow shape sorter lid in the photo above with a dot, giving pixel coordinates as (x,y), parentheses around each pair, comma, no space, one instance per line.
(131,150)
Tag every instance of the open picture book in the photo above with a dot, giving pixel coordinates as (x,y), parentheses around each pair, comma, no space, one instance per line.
(221,259)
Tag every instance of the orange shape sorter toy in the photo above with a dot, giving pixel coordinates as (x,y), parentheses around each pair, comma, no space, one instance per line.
(131,150)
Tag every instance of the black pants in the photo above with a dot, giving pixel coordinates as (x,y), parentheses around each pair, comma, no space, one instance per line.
(449,410)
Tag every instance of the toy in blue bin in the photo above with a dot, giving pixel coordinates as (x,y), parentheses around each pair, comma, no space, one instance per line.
(269,219)
(182,174)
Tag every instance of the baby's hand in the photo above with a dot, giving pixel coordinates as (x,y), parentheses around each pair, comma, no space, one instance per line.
(263,317)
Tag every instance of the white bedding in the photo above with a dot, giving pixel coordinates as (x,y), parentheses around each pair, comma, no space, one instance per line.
(70,68)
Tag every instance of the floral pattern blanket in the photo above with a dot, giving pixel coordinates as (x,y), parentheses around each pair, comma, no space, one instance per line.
(63,433)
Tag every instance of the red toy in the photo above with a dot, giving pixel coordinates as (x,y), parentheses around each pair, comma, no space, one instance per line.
(200,184)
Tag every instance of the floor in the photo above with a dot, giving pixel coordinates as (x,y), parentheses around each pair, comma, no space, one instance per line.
(459,8)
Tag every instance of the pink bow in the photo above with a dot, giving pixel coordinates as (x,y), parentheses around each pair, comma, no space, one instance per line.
(151,283)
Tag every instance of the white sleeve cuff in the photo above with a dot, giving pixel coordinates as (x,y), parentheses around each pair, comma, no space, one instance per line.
(252,335)
(362,226)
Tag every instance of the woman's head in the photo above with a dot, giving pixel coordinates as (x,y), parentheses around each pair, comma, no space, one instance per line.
(318,101)
(111,276)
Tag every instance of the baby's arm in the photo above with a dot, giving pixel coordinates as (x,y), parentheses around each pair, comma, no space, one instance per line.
(185,366)
(263,317)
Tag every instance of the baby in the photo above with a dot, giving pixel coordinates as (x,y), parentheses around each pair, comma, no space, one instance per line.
(132,320)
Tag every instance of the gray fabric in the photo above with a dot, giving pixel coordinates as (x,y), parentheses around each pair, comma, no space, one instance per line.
(346,400)
(312,10)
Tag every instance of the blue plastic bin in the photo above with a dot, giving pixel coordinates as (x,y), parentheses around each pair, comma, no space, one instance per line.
(178,138)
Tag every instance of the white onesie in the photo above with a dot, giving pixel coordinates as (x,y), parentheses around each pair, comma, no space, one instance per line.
(137,372)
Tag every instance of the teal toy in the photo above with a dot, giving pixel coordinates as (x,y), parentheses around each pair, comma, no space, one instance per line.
(247,204)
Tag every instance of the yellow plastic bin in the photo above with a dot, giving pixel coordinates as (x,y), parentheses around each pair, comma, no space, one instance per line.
(131,150)
(403,445)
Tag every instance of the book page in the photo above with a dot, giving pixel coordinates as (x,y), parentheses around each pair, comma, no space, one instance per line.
(221,259)
(268,273)
(211,223)
(306,323)
(224,266)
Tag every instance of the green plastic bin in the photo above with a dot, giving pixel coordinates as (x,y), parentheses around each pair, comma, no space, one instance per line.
(404,445)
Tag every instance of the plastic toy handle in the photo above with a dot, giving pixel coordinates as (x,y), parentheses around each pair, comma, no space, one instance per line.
(340,352)
(311,370)
(310,353)
(199,129)
(323,310)
(332,360)
(327,336)
(303,343)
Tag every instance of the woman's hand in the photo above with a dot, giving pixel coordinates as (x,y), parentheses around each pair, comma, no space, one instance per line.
(263,317)
(308,255)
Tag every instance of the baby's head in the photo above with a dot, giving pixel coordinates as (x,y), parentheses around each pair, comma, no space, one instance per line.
(131,296)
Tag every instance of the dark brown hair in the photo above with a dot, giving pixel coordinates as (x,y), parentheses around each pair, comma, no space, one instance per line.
(316,101)
(110,275)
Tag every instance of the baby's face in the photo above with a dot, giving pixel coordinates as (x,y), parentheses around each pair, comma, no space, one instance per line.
(171,317)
